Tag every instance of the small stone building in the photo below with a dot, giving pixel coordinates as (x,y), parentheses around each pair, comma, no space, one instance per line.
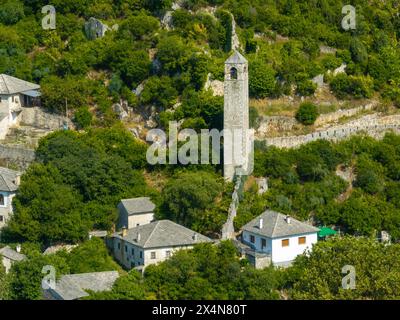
(75,286)
(9,182)
(14,95)
(9,256)
(135,212)
(152,243)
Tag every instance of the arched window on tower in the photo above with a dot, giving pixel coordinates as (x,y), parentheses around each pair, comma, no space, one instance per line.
(233,73)
(2,200)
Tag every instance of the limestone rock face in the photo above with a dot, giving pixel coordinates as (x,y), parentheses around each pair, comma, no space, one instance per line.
(262,185)
(120,111)
(216,86)
(94,29)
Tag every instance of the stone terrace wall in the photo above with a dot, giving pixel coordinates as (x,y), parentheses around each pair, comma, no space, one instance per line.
(370,125)
(38,118)
(334,116)
(16,155)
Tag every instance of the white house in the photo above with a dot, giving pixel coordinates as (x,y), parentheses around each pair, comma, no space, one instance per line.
(281,237)
(152,243)
(9,182)
(135,212)
(15,94)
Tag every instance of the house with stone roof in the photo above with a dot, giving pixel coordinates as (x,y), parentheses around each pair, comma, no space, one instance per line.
(14,95)
(135,212)
(152,243)
(9,256)
(9,182)
(76,286)
(278,236)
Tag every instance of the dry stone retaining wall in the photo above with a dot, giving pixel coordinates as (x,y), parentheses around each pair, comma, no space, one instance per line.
(17,155)
(371,126)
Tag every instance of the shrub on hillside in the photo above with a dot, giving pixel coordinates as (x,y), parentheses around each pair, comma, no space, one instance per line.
(307,113)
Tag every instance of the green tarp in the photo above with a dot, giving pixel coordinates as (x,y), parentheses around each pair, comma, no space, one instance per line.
(325,231)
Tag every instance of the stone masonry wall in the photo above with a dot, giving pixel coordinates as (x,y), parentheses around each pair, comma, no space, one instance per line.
(16,155)
(371,125)
(38,118)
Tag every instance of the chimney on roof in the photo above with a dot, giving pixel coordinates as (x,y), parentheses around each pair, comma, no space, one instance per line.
(138,237)
(194,236)
(124,231)
(288,219)
(261,223)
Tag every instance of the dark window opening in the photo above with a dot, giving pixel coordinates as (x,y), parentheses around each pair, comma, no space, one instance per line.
(233,73)
(2,202)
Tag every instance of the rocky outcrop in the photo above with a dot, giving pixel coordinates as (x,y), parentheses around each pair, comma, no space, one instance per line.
(216,86)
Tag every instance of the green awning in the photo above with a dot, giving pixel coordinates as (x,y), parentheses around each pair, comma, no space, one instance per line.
(325,231)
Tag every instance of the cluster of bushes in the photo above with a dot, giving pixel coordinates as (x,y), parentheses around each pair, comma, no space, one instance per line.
(352,86)
(76,184)
(303,182)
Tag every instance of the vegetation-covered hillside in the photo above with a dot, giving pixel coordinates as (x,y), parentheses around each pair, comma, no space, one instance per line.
(154,62)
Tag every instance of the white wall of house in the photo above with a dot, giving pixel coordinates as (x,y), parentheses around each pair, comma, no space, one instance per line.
(11,105)
(289,253)
(132,221)
(4,126)
(130,255)
(139,219)
(7,263)
(6,209)
(280,253)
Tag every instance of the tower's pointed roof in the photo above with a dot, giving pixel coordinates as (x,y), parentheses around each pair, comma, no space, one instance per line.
(236,58)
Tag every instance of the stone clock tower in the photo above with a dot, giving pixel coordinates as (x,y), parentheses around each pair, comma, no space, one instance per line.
(236,116)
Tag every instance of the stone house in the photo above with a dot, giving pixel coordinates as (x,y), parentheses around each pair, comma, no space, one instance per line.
(152,243)
(9,256)
(75,286)
(135,212)
(9,182)
(278,236)
(14,95)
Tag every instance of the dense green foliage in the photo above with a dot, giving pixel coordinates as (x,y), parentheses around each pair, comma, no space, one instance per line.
(25,279)
(319,275)
(76,183)
(206,272)
(303,182)
(170,62)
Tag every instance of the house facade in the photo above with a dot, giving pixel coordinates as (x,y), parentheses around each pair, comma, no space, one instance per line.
(135,212)
(9,182)
(14,95)
(152,243)
(281,237)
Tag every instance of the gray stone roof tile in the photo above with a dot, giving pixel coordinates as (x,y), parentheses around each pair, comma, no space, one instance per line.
(11,85)
(12,254)
(163,233)
(138,205)
(236,58)
(74,286)
(8,179)
(276,226)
